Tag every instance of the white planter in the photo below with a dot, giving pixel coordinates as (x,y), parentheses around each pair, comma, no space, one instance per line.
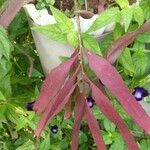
(49,50)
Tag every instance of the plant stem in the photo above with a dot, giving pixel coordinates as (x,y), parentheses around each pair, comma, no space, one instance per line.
(80,44)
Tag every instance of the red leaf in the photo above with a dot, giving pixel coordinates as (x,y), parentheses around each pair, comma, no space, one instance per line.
(67,110)
(113,81)
(57,104)
(108,110)
(52,84)
(117,47)
(94,128)
(12,9)
(78,115)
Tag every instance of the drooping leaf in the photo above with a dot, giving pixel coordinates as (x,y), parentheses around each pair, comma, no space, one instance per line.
(94,128)
(64,23)
(90,43)
(52,84)
(57,103)
(114,51)
(78,115)
(107,17)
(52,32)
(113,81)
(108,110)
(126,15)
(122,3)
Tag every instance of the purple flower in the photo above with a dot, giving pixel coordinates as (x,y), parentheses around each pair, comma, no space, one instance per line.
(54,129)
(90,101)
(139,93)
(29,106)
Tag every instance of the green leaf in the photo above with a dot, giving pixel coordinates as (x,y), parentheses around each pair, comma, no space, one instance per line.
(144,38)
(91,44)
(109,126)
(72,39)
(145,144)
(45,145)
(2,97)
(29,145)
(122,3)
(5,45)
(63,21)
(118,144)
(140,61)
(126,15)
(118,31)
(138,14)
(126,60)
(52,32)
(145,4)
(107,17)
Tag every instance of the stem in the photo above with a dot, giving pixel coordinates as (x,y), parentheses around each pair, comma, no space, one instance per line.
(86,5)
(80,44)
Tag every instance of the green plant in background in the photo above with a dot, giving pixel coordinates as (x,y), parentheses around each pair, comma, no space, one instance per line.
(17,88)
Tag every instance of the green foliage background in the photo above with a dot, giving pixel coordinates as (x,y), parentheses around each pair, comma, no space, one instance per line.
(18,86)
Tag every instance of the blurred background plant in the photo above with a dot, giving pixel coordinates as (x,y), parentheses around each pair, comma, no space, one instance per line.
(21,76)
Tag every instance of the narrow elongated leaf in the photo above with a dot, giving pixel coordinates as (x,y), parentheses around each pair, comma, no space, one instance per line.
(10,12)
(67,110)
(94,128)
(78,115)
(114,51)
(113,81)
(108,110)
(52,84)
(57,104)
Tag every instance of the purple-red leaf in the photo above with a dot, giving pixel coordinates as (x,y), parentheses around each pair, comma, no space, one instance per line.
(57,104)
(10,12)
(94,128)
(113,81)
(67,110)
(117,47)
(79,111)
(52,84)
(108,110)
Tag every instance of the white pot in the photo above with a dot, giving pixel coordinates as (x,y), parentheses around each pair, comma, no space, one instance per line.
(49,50)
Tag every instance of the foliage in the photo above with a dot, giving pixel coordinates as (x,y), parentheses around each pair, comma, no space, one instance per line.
(17,48)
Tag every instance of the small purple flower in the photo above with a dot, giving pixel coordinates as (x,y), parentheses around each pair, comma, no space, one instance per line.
(29,106)
(54,129)
(139,93)
(90,102)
